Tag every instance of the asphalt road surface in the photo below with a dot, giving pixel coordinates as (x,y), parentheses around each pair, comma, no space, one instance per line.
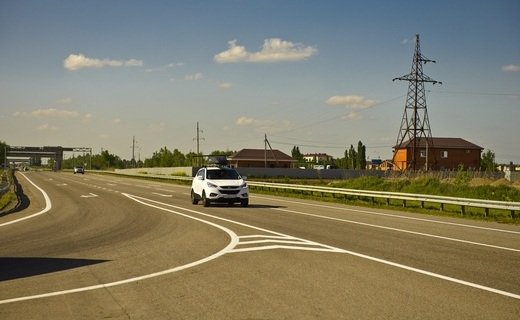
(104,247)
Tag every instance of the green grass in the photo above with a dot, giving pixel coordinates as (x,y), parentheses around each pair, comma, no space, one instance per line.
(461,188)
(9,196)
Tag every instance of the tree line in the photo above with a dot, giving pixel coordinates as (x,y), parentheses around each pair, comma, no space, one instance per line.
(354,158)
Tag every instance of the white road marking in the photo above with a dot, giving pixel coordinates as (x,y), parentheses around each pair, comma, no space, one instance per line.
(61,184)
(360,255)
(280,242)
(389,215)
(233,236)
(398,230)
(234,243)
(48,205)
(90,195)
(163,195)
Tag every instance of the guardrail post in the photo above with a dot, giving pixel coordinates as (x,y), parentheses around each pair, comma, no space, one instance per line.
(422,204)
(512,214)
(442,207)
(463,210)
(404,203)
(486,212)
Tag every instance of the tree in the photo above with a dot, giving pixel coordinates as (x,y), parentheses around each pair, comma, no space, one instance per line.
(487,162)
(298,156)
(3,147)
(361,156)
(352,158)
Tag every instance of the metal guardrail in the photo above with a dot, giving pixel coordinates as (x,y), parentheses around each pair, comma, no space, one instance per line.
(4,187)
(422,198)
(512,207)
(4,183)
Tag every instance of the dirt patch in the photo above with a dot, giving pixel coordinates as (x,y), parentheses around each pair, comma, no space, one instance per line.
(476,182)
(501,182)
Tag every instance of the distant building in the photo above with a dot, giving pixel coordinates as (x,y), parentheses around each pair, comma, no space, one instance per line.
(443,154)
(260,158)
(317,157)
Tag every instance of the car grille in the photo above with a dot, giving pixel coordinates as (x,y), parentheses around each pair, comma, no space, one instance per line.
(227,190)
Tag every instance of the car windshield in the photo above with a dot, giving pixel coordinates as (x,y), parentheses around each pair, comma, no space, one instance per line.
(223,174)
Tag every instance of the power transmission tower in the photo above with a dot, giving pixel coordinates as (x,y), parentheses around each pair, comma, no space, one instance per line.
(415,123)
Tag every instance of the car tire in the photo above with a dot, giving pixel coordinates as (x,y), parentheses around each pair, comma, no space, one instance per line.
(205,200)
(244,202)
(194,199)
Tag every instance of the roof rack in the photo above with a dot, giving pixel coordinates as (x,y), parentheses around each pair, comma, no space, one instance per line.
(217,161)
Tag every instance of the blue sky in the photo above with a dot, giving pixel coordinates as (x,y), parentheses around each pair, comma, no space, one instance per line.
(316,74)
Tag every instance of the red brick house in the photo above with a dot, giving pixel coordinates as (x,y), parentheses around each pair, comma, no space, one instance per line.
(260,158)
(440,154)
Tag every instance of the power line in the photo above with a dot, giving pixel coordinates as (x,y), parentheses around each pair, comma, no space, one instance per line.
(476,93)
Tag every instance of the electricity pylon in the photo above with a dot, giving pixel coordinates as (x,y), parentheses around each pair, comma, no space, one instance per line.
(415,123)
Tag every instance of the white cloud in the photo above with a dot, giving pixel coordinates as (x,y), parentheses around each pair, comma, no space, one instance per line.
(65,100)
(47,127)
(245,121)
(116,121)
(78,61)
(50,113)
(511,68)
(354,102)
(225,85)
(173,65)
(164,68)
(193,77)
(265,126)
(273,50)
(87,118)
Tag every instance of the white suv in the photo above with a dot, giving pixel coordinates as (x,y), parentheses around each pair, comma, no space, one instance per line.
(218,184)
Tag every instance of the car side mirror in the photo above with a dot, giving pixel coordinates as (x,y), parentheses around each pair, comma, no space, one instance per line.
(244,178)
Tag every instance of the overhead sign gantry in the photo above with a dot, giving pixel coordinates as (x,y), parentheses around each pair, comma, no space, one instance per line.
(54,152)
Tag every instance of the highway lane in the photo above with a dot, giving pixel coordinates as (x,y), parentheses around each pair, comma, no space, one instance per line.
(279,258)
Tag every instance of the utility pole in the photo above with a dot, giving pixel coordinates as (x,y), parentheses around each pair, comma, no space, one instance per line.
(266,143)
(415,123)
(198,138)
(133,151)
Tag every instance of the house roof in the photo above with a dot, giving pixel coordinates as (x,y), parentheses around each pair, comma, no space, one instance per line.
(260,154)
(447,143)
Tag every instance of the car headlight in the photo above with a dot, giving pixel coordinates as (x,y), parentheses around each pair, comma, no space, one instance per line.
(211,185)
(244,185)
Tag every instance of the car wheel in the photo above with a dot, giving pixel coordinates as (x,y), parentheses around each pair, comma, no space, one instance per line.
(205,200)
(194,199)
(244,202)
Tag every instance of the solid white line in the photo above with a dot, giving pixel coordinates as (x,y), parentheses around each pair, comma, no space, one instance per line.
(339,250)
(163,195)
(389,215)
(48,205)
(228,248)
(398,230)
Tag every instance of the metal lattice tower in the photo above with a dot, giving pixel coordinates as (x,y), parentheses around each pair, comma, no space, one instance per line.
(415,123)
